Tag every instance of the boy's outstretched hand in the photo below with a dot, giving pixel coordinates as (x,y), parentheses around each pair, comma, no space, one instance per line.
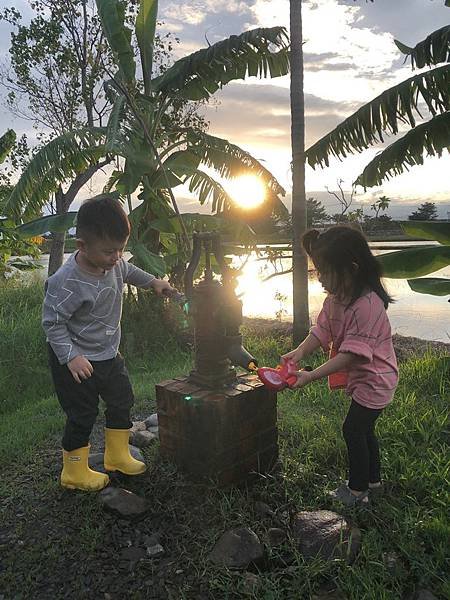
(161,286)
(80,368)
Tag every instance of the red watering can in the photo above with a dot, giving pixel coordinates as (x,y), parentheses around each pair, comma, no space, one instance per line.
(282,376)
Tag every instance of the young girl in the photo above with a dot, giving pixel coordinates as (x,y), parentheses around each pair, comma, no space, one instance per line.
(353,326)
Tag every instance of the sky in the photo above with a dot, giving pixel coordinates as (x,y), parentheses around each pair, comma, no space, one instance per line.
(350,57)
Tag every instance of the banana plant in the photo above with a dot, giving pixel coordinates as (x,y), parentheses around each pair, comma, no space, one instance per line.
(158,154)
(402,104)
(414,263)
(10,242)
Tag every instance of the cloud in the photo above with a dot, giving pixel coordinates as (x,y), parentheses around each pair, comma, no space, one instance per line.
(265,114)
(344,60)
(410,21)
(194,12)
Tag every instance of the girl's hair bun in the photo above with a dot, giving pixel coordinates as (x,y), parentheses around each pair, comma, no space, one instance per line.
(309,240)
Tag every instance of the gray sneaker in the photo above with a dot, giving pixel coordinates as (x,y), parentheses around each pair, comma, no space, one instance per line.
(343,494)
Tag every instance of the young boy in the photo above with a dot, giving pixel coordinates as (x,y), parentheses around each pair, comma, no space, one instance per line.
(81,317)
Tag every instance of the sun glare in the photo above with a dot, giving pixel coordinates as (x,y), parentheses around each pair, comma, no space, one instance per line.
(247,191)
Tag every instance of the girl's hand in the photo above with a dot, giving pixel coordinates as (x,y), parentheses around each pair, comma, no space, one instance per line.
(303,378)
(160,286)
(294,356)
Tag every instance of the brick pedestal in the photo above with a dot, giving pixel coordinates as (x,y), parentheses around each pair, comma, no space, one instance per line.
(227,435)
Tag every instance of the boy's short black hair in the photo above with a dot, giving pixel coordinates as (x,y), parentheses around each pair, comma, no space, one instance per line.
(102,217)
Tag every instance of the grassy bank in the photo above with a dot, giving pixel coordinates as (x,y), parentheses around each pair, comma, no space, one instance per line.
(57,544)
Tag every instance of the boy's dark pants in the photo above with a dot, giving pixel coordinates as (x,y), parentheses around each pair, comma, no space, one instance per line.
(80,400)
(362,446)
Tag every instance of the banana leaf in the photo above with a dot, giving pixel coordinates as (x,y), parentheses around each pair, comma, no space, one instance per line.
(430,138)
(112,16)
(414,262)
(129,180)
(175,168)
(430,285)
(428,230)
(167,225)
(259,52)
(431,51)
(145,34)
(52,223)
(147,260)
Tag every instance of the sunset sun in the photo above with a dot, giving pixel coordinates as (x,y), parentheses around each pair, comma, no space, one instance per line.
(247,191)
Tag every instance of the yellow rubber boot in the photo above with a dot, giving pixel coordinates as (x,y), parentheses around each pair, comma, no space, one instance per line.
(117,453)
(77,475)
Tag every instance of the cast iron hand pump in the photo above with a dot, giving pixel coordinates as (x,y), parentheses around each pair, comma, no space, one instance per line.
(217,314)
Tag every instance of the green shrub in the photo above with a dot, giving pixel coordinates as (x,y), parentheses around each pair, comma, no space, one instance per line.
(23,355)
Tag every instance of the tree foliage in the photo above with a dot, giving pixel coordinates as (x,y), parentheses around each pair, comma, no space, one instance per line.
(7,141)
(316,213)
(426,212)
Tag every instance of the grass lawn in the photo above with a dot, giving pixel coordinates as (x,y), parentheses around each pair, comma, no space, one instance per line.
(60,544)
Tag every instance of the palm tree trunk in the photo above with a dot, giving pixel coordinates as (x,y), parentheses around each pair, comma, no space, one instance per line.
(299,258)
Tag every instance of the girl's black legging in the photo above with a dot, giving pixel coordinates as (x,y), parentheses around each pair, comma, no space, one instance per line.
(362,446)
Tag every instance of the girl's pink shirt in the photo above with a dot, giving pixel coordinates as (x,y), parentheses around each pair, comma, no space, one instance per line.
(363,329)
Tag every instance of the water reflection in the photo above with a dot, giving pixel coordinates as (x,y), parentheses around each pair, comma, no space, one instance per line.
(412,314)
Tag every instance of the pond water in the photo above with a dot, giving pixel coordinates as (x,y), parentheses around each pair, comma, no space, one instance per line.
(412,314)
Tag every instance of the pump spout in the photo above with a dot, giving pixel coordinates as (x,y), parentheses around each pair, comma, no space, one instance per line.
(238,355)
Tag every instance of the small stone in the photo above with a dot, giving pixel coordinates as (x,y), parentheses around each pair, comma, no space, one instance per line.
(124,503)
(154,551)
(263,510)
(142,439)
(250,583)
(237,548)
(276,536)
(394,564)
(138,426)
(133,554)
(151,421)
(154,430)
(95,461)
(136,453)
(179,571)
(150,540)
(326,534)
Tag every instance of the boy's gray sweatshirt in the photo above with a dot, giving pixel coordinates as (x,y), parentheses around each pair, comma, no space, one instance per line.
(81,311)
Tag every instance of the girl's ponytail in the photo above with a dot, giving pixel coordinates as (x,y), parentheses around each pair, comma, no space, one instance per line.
(309,240)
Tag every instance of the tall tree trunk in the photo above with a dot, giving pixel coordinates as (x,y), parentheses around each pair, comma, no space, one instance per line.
(300,262)
(56,257)
(63,202)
